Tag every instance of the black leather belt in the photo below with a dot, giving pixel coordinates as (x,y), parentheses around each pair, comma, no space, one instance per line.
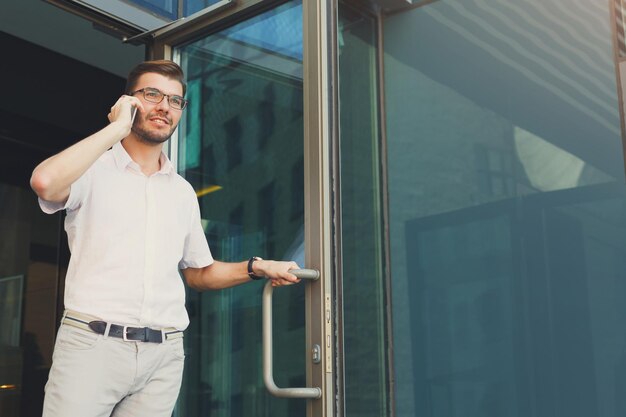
(139,334)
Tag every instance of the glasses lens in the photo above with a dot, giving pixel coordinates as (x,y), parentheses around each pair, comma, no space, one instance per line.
(177,102)
(153,95)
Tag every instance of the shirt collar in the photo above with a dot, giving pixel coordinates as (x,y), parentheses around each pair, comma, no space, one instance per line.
(167,168)
(123,160)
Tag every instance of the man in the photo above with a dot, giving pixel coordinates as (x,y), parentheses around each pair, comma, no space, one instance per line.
(132,223)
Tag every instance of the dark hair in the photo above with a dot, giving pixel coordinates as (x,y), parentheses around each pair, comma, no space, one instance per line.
(164,67)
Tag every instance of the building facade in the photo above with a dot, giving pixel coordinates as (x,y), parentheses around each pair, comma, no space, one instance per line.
(454,169)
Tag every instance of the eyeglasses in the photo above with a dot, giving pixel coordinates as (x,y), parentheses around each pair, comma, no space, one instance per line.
(154,95)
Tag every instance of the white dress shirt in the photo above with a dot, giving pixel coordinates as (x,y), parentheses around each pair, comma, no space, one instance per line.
(129,235)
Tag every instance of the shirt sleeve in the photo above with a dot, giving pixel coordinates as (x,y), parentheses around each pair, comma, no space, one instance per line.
(196,253)
(78,193)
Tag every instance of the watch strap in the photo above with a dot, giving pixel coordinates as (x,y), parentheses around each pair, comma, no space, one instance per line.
(251,273)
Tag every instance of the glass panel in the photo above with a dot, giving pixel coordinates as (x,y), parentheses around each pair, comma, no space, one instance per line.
(365,370)
(29,276)
(11,293)
(192,6)
(165,8)
(142,14)
(146,14)
(242,150)
(507,198)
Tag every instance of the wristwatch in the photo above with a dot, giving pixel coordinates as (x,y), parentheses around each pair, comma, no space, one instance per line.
(251,273)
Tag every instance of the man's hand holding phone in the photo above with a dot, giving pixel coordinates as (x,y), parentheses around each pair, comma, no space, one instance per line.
(124,112)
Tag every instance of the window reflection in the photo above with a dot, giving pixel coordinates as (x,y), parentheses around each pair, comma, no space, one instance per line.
(362,267)
(506,193)
(193,6)
(174,9)
(550,168)
(242,136)
(165,8)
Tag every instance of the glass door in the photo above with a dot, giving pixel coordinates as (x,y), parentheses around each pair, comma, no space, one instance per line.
(242,148)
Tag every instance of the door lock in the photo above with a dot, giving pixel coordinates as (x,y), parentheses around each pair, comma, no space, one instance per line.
(317,354)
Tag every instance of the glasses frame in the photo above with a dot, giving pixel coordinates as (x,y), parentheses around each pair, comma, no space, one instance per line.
(163,95)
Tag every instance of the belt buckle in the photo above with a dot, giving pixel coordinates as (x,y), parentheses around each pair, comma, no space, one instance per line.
(124,337)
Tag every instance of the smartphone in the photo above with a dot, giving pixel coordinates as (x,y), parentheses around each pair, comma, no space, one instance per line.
(133,113)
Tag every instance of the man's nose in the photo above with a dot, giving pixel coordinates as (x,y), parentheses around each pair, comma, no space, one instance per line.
(163,105)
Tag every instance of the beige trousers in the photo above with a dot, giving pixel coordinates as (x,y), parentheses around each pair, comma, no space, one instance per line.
(97,376)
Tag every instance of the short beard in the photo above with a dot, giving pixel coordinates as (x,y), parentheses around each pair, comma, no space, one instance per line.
(148,138)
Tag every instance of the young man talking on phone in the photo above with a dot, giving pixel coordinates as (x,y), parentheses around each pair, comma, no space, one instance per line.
(132,224)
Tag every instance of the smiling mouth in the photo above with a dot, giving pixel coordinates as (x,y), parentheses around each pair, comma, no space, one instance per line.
(159,121)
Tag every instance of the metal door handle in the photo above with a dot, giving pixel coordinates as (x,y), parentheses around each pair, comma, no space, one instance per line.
(268,351)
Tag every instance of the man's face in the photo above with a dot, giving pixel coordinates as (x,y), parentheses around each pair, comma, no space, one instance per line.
(159,120)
